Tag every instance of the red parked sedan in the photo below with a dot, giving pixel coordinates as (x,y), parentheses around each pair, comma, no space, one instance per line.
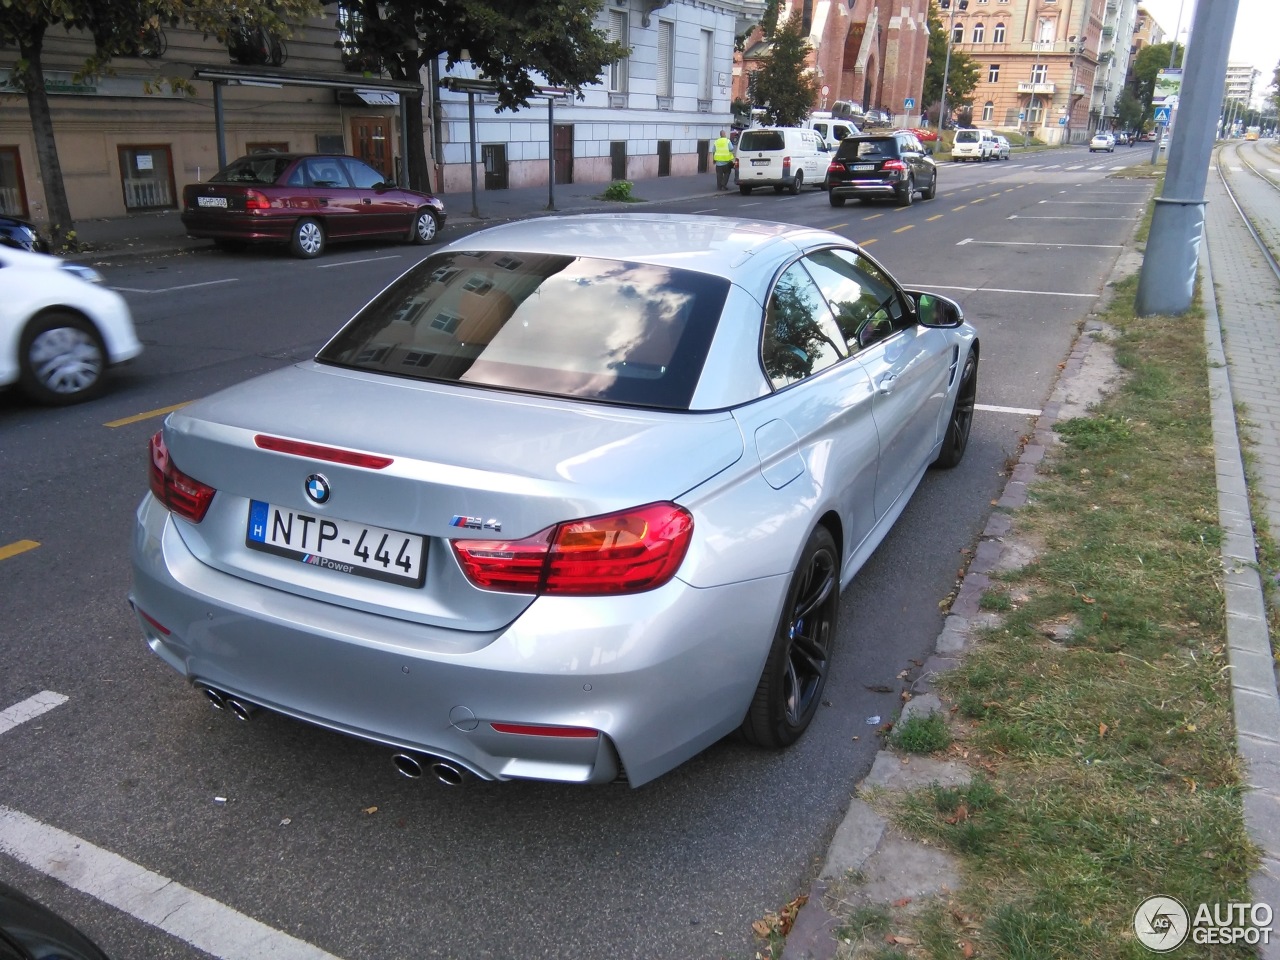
(306,201)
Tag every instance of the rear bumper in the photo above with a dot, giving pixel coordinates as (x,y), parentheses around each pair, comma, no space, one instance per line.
(866,188)
(661,675)
(237,226)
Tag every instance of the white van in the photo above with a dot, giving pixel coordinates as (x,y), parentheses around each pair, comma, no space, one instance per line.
(780,157)
(973,144)
(832,129)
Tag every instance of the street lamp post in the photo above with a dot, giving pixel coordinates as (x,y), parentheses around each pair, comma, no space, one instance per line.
(1034,102)
(962,6)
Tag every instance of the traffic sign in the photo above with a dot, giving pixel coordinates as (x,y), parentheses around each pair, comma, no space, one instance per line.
(1162,114)
(909,103)
(1022,114)
(1062,121)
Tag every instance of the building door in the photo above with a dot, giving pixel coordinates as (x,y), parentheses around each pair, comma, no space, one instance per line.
(704,150)
(494,158)
(370,142)
(664,158)
(618,159)
(146,174)
(563,145)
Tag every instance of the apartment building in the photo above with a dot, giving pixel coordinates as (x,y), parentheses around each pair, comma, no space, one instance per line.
(129,142)
(1242,80)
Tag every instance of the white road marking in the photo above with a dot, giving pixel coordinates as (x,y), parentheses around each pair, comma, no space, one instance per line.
(991,408)
(1112,203)
(1032,243)
(29,709)
(1017,217)
(185,286)
(348,263)
(181,912)
(1033,293)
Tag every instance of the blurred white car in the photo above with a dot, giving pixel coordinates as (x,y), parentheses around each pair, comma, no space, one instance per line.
(1103,141)
(60,327)
(1003,148)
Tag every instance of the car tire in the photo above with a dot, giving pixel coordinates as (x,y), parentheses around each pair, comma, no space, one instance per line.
(744,190)
(834,200)
(932,191)
(307,240)
(905,197)
(796,183)
(426,228)
(61,359)
(799,661)
(960,423)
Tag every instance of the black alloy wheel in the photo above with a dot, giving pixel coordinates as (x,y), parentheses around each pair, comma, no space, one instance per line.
(907,195)
(799,661)
(957,437)
(797,182)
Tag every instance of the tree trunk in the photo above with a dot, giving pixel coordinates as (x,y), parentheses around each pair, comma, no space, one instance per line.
(61,226)
(419,169)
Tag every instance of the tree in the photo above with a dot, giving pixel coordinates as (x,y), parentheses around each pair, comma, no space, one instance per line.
(962,77)
(515,43)
(784,87)
(1151,60)
(1129,110)
(113,27)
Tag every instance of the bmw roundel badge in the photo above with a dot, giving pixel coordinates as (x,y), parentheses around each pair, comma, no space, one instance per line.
(318,488)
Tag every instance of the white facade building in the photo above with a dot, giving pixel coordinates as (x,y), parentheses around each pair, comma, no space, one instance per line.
(653,114)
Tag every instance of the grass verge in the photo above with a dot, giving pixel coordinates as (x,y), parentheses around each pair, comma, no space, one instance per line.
(1100,709)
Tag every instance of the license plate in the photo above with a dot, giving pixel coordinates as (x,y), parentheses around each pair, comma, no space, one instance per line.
(211,202)
(864,166)
(357,549)
(760,163)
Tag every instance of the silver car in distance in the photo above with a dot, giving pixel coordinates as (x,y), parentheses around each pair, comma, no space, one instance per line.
(570,500)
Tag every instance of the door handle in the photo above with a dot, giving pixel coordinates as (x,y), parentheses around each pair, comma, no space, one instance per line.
(323,201)
(886,383)
(366,201)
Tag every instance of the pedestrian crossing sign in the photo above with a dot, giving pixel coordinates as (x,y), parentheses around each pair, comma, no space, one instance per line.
(1162,114)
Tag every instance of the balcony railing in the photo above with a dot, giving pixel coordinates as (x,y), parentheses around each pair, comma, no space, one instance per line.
(1043,48)
(1036,88)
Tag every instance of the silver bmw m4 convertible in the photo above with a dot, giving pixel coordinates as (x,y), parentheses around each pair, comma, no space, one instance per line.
(570,500)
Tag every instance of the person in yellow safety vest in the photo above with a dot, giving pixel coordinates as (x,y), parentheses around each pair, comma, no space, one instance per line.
(723,157)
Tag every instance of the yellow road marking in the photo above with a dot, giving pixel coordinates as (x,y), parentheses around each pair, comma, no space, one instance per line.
(936,216)
(996,194)
(837,226)
(146,416)
(909,226)
(977,200)
(866,243)
(961,207)
(873,216)
(17,547)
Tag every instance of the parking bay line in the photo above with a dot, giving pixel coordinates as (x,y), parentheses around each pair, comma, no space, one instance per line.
(1036,243)
(350,263)
(125,421)
(15,548)
(1031,293)
(185,286)
(156,900)
(1017,217)
(992,408)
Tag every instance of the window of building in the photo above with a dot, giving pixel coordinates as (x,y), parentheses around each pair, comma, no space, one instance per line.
(988,112)
(13,194)
(146,174)
(993,73)
(997,35)
(978,31)
(618,69)
(666,50)
(957,33)
(1040,73)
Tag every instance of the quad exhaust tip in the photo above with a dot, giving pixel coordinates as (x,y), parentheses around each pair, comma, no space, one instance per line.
(222,701)
(414,767)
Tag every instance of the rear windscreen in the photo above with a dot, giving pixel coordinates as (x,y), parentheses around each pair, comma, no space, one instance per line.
(870,148)
(565,326)
(761,140)
(262,168)
(967,136)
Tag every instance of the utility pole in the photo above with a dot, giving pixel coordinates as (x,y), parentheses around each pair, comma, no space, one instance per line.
(963,5)
(1166,284)
(1034,102)
(1173,50)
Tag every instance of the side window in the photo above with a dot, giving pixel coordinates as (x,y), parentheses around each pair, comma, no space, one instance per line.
(867,305)
(800,336)
(325,172)
(362,175)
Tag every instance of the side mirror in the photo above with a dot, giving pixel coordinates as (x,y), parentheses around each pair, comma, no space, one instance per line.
(928,148)
(935,311)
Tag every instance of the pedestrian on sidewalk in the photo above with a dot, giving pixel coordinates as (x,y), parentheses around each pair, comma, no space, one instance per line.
(722,155)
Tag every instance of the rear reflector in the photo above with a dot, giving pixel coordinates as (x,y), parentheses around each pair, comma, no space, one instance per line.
(626,552)
(536,730)
(179,493)
(153,621)
(316,451)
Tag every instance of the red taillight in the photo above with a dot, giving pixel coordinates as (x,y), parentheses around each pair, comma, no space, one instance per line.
(786,166)
(835,167)
(316,451)
(540,730)
(894,165)
(253,200)
(184,495)
(625,552)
